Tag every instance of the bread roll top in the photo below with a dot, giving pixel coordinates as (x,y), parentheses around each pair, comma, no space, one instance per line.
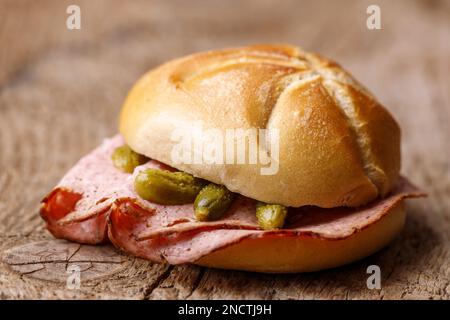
(337,146)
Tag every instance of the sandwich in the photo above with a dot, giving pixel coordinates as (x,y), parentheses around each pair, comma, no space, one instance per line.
(264,158)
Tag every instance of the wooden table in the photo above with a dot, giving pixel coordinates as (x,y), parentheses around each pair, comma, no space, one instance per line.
(61,91)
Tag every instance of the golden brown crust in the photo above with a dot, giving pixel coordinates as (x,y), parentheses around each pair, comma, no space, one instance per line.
(307,253)
(338,145)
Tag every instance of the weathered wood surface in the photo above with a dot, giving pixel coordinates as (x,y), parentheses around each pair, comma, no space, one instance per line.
(61,90)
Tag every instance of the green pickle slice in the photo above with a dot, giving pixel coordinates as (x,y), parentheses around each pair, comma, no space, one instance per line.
(212,202)
(126,159)
(167,188)
(270,216)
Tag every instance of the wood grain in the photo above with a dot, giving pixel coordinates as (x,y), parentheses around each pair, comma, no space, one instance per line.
(61,91)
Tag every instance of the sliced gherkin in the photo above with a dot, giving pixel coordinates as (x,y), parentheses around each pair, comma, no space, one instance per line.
(126,159)
(270,216)
(212,202)
(168,188)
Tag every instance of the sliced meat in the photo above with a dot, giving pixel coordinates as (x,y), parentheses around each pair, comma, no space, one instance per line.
(60,203)
(95,202)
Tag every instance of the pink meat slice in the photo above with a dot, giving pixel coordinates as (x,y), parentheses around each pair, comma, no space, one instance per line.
(95,203)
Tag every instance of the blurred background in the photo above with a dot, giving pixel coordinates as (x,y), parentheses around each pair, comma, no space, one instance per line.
(61,90)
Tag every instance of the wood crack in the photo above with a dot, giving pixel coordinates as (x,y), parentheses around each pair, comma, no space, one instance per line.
(160,279)
(71,256)
(32,271)
(197,282)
